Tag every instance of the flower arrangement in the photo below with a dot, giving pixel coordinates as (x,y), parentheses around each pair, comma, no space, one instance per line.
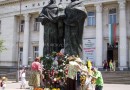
(93,81)
(46,88)
(39,89)
(55,89)
(54,72)
(82,79)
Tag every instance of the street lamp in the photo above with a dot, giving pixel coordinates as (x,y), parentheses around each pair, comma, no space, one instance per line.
(18,57)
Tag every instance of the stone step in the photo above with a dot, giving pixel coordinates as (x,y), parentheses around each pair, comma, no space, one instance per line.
(117,77)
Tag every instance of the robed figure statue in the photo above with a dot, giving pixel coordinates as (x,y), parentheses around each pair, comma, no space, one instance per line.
(51,17)
(74,24)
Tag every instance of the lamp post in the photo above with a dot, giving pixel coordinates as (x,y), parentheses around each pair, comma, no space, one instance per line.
(18,57)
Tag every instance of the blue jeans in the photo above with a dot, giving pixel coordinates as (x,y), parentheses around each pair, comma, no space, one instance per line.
(98,87)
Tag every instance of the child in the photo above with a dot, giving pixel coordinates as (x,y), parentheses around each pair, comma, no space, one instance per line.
(22,77)
(3,83)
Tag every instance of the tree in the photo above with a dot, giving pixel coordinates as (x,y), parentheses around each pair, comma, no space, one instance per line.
(2,46)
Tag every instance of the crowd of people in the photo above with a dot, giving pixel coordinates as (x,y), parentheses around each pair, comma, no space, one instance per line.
(109,65)
(79,75)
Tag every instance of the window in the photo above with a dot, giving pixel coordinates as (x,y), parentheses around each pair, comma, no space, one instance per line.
(21,53)
(112,16)
(36,25)
(91,19)
(22,26)
(35,51)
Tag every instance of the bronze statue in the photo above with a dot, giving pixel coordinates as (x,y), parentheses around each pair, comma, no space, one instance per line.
(63,28)
(53,27)
(74,23)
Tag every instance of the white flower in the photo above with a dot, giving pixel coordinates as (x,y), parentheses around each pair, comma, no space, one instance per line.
(63,63)
(54,79)
(60,70)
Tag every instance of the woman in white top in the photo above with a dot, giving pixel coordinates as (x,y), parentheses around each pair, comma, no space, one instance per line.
(23,78)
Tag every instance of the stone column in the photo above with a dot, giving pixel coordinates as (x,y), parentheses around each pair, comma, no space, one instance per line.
(99,36)
(122,35)
(41,40)
(26,40)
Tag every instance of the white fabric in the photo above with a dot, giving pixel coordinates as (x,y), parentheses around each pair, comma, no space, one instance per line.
(73,63)
(23,81)
(23,75)
(88,83)
(4,86)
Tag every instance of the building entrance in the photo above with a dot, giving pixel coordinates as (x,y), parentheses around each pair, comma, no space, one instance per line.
(112,53)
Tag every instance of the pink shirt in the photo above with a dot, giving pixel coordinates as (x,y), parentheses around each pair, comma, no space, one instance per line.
(36,66)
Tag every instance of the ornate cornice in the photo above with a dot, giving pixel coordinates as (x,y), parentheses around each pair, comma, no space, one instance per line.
(2,3)
(27,16)
(87,2)
(122,4)
(28,6)
(98,7)
(17,13)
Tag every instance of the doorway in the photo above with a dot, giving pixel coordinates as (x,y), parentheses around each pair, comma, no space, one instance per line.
(112,53)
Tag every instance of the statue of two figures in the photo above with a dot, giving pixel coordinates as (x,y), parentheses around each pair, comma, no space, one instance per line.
(63,27)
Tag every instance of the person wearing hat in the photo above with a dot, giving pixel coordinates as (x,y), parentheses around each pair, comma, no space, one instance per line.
(83,71)
(3,82)
(36,73)
(73,67)
(99,79)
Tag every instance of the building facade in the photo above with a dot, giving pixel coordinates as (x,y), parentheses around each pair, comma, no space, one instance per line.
(23,35)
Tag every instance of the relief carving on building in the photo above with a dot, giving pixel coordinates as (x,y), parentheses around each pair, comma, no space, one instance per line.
(122,4)
(98,7)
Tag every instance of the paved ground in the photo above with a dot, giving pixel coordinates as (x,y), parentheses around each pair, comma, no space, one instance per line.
(12,85)
(116,87)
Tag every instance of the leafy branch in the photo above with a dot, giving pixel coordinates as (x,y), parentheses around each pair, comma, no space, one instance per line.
(2,46)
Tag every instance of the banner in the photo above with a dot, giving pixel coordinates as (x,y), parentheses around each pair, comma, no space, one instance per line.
(112,34)
(89,49)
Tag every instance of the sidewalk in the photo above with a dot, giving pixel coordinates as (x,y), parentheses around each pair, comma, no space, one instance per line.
(116,87)
(13,85)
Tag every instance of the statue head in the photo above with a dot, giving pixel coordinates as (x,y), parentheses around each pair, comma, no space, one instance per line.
(52,1)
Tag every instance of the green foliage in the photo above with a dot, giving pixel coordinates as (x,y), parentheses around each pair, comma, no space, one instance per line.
(1,46)
(47,62)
